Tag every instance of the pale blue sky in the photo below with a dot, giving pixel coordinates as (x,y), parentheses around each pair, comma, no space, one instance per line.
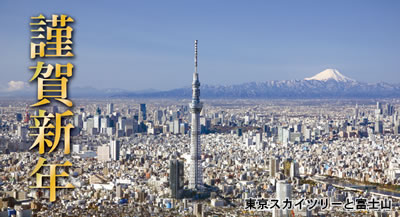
(138,45)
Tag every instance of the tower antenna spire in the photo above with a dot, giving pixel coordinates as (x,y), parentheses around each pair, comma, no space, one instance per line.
(195,56)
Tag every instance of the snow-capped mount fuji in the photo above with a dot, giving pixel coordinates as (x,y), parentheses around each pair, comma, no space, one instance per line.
(330,74)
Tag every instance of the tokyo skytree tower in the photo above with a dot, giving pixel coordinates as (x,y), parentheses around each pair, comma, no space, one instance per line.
(195,172)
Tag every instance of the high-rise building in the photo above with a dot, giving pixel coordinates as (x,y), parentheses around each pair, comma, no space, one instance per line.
(307,134)
(96,122)
(273,166)
(280,134)
(259,141)
(396,129)
(78,122)
(176,178)
(89,124)
(183,128)
(110,108)
(142,112)
(378,127)
(389,109)
(177,124)
(285,136)
(158,114)
(378,110)
(294,169)
(104,123)
(283,191)
(198,210)
(114,149)
(22,132)
(356,111)
(195,172)
(121,123)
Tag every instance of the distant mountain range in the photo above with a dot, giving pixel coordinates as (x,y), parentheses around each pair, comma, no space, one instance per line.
(329,83)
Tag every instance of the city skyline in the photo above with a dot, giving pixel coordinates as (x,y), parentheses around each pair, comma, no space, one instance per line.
(264,41)
(254,149)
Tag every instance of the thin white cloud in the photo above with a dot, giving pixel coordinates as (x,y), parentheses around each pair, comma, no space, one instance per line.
(16,85)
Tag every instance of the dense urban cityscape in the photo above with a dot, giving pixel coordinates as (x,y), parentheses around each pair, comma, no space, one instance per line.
(132,157)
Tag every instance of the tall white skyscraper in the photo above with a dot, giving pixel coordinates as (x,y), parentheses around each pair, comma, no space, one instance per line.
(283,191)
(114,149)
(195,172)
(96,123)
